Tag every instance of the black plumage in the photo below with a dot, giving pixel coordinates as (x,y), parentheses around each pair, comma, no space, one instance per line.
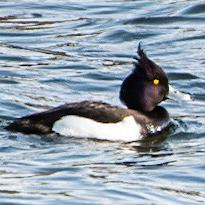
(137,92)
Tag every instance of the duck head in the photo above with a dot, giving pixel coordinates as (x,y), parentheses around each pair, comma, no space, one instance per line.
(146,86)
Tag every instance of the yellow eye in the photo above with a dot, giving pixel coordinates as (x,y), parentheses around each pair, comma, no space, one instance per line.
(156,82)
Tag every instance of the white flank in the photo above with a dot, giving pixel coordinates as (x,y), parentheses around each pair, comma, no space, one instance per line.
(126,130)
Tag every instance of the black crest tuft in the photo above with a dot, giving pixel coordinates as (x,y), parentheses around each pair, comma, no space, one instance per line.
(151,69)
(140,53)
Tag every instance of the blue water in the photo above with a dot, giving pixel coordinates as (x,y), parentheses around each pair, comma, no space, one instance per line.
(52,52)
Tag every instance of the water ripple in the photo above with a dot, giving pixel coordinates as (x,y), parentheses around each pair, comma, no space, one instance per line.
(53,52)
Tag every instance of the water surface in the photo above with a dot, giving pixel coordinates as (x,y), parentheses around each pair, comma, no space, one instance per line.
(53,52)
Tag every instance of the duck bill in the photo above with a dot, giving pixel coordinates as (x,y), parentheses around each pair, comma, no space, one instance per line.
(177,95)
